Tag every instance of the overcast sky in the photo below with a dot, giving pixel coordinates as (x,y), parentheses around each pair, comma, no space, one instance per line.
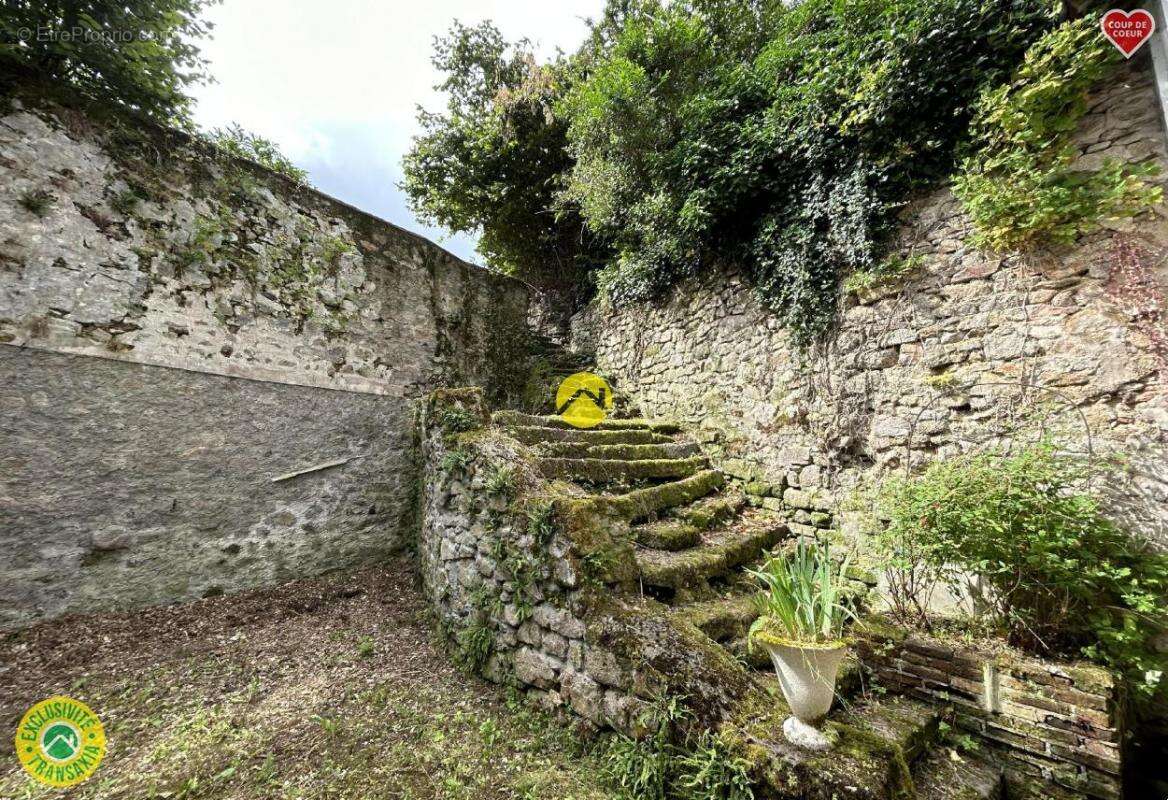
(336,84)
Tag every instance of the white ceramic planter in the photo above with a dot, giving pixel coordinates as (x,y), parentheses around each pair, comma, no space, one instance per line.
(807,676)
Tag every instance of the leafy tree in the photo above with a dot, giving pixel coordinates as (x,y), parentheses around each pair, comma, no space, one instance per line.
(240,143)
(495,161)
(138,54)
(782,138)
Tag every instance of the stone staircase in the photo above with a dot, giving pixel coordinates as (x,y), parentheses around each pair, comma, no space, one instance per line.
(693,535)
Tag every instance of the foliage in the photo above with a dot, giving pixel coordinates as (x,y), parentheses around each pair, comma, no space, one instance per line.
(454,460)
(671,762)
(803,595)
(500,481)
(455,419)
(1061,575)
(132,53)
(36,201)
(784,138)
(710,772)
(474,644)
(495,160)
(239,143)
(541,521)
(884,273)
(1019,184)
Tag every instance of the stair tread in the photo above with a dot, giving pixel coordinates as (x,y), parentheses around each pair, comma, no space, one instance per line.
(723,617)
(938,776)
(910,724)
(605,469)
(667,534)
(620,452)
(867,761)
(641,503)
(521,419)
(720,551)
(530,434)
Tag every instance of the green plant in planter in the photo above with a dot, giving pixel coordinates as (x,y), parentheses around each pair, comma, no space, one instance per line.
(803,598)
(802,608)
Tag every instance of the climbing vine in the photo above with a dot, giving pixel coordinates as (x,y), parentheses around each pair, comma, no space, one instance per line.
(1019,183)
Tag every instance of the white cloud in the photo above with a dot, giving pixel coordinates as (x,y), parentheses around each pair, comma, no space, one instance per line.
(336,84)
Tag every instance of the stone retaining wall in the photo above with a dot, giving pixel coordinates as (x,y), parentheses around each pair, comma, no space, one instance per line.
(921,368)
(1059,722)
(178,328)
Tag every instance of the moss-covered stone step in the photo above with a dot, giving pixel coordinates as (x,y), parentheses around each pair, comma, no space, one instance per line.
(723,618)
(641,503)
(711,511)
(536,434)
(623,452)
(910,724)
(604,469)
(518,418)
(969,776)
(667,534)
(874,745)
(720,552)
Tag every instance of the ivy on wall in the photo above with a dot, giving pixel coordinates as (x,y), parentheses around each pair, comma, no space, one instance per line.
(1019,183)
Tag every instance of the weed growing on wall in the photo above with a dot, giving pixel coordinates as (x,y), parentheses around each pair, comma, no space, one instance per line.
(673,762)
(1019,184)
(36,201)
(236,142)
(888,271)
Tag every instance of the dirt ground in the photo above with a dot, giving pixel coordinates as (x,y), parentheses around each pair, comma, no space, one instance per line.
(326,688)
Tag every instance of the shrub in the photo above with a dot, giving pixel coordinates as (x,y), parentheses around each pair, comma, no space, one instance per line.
(136,54)
(1019,184)
(495,160)
(239,143)
(1061,577)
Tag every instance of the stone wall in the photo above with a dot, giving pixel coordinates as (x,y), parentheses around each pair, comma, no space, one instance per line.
(129,485)
(931,365)
(537,589)
(1056,722)
(504,587)
(176,329)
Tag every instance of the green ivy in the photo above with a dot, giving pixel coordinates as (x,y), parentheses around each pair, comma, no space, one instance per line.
(1020,184)
(781,138)
(886,272)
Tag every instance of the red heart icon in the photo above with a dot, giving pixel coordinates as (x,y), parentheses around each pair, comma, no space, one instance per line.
(1127,31)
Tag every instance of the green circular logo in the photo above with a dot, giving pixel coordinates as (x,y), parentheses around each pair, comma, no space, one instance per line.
(60,741)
